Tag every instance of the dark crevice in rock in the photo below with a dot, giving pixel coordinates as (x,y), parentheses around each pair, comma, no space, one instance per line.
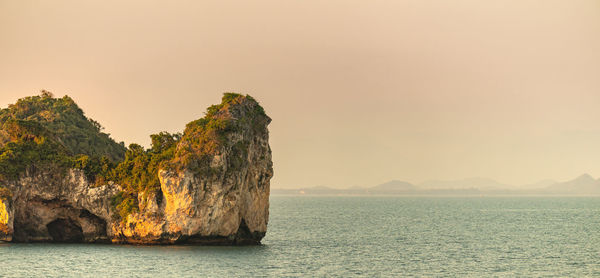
(159,197)
(97,222)
(22,233)
(65,230)
(47,202)
(242,237)
(243,231)
(245,237)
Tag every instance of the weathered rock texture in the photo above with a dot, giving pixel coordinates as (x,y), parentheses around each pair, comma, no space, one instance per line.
(56,207)
(224,201)
(6,219)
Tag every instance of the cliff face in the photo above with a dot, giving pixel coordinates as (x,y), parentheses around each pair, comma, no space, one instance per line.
(215,190)
(7,216)
(223,199)
(50,206)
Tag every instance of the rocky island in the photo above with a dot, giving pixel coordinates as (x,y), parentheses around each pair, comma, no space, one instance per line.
(63,180)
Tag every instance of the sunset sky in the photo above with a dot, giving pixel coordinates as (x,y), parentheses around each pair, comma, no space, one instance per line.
(360,92)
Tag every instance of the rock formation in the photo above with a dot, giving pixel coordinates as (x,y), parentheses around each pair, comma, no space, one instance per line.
(6,218)
(214,189)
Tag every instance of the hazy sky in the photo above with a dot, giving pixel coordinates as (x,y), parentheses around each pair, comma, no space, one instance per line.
(360,92)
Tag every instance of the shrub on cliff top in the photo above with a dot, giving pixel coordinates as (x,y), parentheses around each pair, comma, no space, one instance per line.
(5,193)
(205,137)
(65,121)
(31,145)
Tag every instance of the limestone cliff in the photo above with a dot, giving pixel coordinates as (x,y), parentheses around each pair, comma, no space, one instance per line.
(213,188)
(220,191)
(49,206)
(6,217)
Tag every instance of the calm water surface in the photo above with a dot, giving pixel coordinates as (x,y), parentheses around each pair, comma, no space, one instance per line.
(360,236)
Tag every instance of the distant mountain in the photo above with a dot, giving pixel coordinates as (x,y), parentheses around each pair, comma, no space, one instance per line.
(319,190)
(479,183)
(584,184)
(393,186)
(538,185)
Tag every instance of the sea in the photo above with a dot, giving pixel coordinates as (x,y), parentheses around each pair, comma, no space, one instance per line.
(352,236)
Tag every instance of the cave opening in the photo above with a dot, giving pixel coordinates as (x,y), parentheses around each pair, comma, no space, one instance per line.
(65,230)
(245,237)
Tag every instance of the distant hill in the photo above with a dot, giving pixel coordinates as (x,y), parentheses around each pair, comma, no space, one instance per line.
(393,186)
(319,190)
(479,183)
(584,184)
(540,184)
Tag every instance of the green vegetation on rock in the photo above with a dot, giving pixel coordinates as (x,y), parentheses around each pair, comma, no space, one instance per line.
(204,137)
(61,119)
(53,133)
(5,193)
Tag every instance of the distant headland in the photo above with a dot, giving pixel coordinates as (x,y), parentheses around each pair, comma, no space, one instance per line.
(584,185)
